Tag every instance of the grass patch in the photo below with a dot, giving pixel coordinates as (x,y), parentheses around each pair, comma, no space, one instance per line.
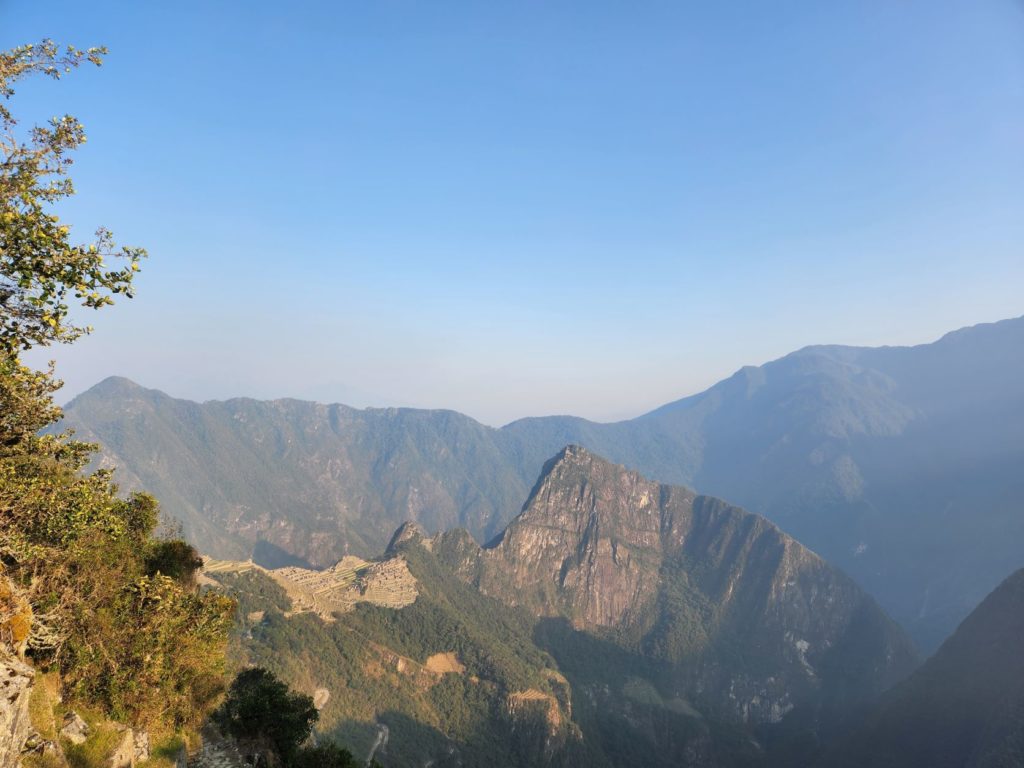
(164,754)
(44,760)
(95,750)
(41,703)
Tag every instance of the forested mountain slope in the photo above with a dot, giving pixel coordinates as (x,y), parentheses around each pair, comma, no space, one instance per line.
(615,622)
(291,479)
(899,464)
(964,708)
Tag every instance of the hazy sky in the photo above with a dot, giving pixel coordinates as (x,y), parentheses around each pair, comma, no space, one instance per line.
(527,208)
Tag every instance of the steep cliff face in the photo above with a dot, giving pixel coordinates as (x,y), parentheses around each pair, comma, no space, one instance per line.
(15,689)
(587,545)
(16,677)
(748,620)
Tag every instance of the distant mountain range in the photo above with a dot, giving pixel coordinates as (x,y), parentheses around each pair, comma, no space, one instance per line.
(615,622)
(901,465)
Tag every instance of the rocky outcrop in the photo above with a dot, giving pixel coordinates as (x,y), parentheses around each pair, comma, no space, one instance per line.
(408,531)
(216,751)
(16,676)
(123,753)
(538,727)
(751,621)
(74,728)
(141,746)
(587,545)
(873,457)
(533,702)
(15,688)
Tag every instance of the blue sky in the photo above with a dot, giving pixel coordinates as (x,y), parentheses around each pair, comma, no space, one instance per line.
(518,209)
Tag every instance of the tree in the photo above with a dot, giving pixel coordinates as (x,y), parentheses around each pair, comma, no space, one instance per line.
(113,609)
(41,270)
(326,755)
(265,718)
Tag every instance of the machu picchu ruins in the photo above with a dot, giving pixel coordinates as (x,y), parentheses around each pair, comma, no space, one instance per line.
(334,590)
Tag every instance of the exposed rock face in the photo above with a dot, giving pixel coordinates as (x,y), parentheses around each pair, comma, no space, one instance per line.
(408,532)
(320,698)
(141,743)
(15,688)
(538,724)
(752,621)
(591,531)
(123,754)
(74,728)
(217,751)
(537,702)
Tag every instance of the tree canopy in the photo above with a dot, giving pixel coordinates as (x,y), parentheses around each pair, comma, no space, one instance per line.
(42,272)
(265,717)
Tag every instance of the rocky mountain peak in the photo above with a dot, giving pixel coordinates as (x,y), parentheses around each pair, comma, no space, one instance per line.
(409,531)
(580,493)
(688,575)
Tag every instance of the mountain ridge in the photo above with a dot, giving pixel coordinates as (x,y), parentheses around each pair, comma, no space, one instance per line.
(615,622)
(678,576)
(880,459)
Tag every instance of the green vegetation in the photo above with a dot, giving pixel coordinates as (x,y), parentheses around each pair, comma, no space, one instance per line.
(492,640)
(848,449)
(963,707)
(328,755)
(40,268)
(272,724)
(700,670)
(87,589)
(95,750)
(373,662)
(266,720)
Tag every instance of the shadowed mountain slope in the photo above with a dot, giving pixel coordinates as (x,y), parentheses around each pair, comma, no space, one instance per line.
(964,708)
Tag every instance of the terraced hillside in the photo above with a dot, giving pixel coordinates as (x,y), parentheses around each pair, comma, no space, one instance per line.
(337,589)
(450,679)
